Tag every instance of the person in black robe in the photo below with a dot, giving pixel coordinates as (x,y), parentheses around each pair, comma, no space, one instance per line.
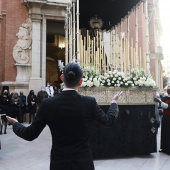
(32,105)
(15,106)
(165,124)
(23,106)
(4,109)
(5,102)
(42,94)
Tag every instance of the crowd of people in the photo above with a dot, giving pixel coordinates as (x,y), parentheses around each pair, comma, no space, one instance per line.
(17,105)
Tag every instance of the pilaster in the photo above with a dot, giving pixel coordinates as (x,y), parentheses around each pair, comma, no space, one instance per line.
(35,80)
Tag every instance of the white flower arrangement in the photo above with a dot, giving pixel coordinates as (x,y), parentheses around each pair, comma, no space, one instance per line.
(142,79)
(90,77)
(136,78)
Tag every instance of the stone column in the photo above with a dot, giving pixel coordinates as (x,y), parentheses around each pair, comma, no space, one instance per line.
(36,80)
(44,30)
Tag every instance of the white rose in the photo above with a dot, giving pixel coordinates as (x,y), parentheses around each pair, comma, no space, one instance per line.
(95,79)
(96,83)
(83,84)
(108,83)
(89,83)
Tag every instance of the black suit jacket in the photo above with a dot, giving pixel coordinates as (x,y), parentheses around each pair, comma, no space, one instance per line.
(67,116)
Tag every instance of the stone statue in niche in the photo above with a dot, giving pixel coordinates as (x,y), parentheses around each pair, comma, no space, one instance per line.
(22,50)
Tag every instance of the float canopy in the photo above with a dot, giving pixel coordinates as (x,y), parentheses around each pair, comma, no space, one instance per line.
(110,11)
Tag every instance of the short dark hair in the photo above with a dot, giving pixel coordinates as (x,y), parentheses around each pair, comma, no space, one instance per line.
(72,74)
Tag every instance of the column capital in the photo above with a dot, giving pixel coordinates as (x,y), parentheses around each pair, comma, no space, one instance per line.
(36,17)
(3,12)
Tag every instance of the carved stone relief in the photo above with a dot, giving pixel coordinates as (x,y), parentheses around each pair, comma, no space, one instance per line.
(22,50)
(130,96)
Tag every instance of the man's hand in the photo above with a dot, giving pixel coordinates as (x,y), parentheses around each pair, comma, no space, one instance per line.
(11,120)
(116,96)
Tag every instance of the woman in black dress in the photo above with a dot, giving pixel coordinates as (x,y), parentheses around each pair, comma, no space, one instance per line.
(4,108)
(23,107)
(32,105)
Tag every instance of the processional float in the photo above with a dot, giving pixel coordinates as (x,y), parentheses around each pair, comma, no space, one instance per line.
(90,49)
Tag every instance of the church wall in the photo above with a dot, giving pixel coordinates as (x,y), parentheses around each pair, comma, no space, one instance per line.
(2,36)
(16,14)
(137,32)
(142,25)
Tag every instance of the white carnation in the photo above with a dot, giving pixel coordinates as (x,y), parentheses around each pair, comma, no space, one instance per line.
(108,83)
(89,83)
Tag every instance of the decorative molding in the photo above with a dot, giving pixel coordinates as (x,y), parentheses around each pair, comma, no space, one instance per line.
(47,2)
(3,12)
(14,84)
(36,17)
(131,96)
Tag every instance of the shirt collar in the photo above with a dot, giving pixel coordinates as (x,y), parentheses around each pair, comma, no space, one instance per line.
(66,89)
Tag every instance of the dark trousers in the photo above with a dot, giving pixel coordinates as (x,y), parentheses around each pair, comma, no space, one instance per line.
(31,117)
(165,134)
(23,114)
(3,125)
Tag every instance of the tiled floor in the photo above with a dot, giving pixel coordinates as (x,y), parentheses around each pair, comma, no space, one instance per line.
(18,154)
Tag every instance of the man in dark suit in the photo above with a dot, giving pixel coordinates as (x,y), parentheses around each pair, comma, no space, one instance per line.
(67,116)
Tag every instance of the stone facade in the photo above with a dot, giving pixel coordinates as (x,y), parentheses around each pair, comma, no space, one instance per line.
(23,41)
(23,57)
